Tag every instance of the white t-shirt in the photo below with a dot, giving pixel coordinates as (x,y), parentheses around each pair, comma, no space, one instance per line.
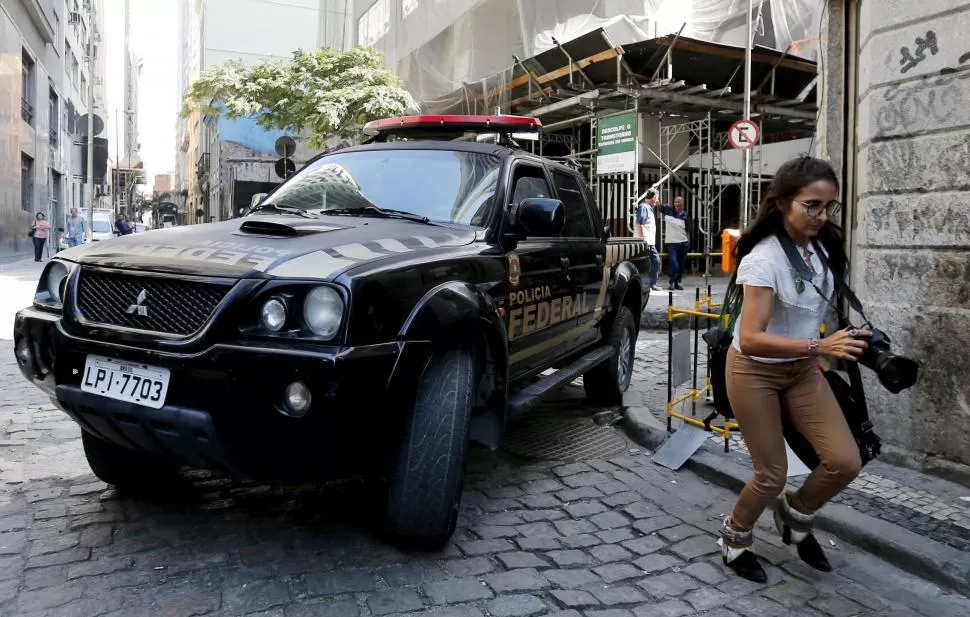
(650,226)
(793,314)
(676,230)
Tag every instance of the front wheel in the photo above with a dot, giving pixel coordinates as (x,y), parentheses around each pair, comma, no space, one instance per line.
(606,383)
(425,488)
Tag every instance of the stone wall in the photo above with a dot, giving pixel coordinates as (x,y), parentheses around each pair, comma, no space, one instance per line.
(911,242)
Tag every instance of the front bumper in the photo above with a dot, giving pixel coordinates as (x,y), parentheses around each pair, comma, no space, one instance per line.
(222,410)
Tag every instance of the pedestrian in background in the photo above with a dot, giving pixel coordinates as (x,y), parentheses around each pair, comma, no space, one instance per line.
(39,230)
(677,230)
(75,229)
(774,363)
(646,227)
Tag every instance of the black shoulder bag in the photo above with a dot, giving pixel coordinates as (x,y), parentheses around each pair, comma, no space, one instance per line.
(719,339)
(851,396)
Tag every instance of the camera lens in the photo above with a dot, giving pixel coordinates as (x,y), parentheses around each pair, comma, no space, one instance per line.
(896,373)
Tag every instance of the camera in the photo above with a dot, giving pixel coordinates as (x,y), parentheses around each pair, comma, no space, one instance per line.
(895,373)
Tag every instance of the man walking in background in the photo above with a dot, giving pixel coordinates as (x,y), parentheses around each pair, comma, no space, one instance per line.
(677,239)
(74,229)
(646,228)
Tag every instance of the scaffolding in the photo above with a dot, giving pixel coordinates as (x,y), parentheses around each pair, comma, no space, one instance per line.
(575,84)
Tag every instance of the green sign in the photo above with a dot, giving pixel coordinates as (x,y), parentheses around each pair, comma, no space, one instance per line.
(616,141)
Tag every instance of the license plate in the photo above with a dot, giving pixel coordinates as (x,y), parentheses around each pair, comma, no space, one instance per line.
(121,380)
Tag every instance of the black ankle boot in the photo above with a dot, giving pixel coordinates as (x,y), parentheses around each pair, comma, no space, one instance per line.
(795,527)
(736,554)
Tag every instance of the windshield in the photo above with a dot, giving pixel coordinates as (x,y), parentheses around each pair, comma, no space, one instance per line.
(101,227)
(443,185)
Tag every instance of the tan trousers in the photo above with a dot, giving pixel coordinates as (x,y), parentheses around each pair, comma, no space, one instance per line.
(757,391)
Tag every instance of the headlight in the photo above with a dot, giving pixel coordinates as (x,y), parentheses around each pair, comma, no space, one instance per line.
(50,290)
(273,315)
(322,311)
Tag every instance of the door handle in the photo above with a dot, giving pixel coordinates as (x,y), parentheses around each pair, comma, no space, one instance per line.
(599,261)
(564,263)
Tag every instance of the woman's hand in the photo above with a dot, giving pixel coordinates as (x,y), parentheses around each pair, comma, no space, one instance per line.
(844,344)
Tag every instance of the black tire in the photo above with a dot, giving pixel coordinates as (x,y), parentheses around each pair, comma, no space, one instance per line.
(125,469)
(425,484)
(606,383)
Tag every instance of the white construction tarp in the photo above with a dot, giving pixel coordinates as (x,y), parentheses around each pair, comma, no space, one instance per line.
(439,46)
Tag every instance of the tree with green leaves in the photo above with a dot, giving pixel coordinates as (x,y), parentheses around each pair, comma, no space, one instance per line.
(319,94)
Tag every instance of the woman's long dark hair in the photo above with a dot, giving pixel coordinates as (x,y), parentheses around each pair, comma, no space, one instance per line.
(791,178)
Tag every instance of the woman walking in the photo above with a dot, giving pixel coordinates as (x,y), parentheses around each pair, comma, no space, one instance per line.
(773,363)
(41,229)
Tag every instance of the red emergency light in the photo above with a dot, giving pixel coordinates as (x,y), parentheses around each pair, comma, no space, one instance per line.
(453,123)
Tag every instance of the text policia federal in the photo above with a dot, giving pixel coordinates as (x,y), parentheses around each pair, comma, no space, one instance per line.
(534,309)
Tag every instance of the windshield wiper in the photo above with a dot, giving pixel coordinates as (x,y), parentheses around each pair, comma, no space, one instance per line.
(282,208)
(386,212)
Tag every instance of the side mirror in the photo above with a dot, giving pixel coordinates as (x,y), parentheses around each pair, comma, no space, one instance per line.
(258,197)
(539,216)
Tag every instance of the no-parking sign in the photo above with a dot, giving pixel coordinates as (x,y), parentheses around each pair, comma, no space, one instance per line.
(744,134)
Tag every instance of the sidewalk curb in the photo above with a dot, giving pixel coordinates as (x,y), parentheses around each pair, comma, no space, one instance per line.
(931,560)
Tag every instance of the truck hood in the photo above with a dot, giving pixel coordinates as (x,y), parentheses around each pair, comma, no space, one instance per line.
(269,246)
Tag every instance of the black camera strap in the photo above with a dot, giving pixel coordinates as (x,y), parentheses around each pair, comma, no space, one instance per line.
(805,274)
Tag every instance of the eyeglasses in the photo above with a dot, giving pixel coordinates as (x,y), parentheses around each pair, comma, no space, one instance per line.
(815,207)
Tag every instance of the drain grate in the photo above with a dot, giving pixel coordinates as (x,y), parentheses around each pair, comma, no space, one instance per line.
(554,438)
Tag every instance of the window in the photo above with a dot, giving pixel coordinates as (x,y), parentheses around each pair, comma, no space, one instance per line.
(57,28)
(443,185)
(55,192)
(54,119)
(373,24)
(528,181)
(84,87)
(407,6)
(26,183)
(570,192)
(27,89)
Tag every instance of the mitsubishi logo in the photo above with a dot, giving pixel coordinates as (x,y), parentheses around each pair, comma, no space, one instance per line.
(139,305)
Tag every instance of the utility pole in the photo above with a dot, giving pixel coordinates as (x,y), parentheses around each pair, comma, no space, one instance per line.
(128,121)
(92,75)
(746,161)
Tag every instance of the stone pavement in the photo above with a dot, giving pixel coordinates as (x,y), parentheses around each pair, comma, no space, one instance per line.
(655,314)
(926,505)
(602,532)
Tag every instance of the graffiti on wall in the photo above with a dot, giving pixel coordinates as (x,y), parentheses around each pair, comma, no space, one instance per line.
(937,96)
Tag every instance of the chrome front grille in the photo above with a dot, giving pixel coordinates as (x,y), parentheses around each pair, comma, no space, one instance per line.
(150,303)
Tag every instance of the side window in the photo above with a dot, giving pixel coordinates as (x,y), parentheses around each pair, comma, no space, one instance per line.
(528,181)
(570,191)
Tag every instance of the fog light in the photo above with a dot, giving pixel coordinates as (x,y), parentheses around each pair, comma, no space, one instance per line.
(273,315)
(297,399)
(23,351)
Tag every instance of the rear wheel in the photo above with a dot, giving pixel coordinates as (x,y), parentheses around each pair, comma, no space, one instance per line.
(606,383)
(126,469)
(425,487)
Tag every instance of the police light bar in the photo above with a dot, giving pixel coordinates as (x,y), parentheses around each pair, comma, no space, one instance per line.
(453,123)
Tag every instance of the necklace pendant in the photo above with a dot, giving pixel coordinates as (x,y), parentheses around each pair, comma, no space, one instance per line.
(800,285)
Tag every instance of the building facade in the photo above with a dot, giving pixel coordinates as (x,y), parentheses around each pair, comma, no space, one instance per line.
(896,124)
(45,79)
(221,163)
(163,183)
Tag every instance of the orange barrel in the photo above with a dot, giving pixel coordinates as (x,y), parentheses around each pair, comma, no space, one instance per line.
(729,240)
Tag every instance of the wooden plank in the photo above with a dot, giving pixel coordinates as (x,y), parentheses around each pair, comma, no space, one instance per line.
(522,80)
(738,54)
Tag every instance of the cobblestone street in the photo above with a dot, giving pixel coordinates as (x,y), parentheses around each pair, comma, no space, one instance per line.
(599,532)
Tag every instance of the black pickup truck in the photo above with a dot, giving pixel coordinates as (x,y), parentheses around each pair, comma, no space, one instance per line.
(383,308)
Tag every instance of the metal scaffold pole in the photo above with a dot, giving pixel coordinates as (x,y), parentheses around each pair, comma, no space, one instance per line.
(746,160)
